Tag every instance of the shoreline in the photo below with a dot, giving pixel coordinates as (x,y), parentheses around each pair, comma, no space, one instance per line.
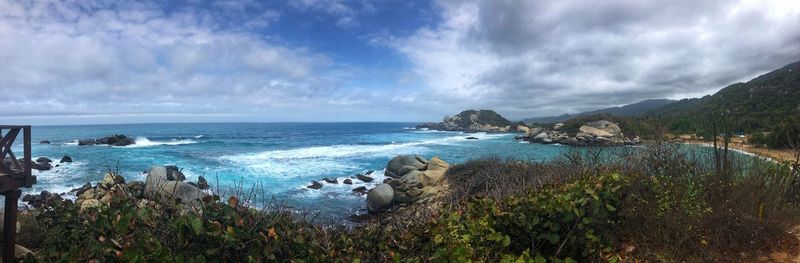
(771,154)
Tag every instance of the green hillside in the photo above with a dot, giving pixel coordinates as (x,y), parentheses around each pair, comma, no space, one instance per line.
(768,103)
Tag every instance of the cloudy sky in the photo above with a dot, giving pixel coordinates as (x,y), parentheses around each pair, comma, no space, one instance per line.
(84,61)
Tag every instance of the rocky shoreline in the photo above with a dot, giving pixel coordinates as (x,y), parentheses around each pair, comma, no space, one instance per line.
(164,184)
(595,133)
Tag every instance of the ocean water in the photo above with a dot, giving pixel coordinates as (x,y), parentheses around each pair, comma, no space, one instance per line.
(274,160)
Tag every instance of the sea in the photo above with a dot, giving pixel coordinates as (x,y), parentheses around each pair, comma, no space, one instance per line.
(265,163)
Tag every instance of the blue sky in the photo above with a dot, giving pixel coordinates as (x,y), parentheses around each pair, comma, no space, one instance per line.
(105,61)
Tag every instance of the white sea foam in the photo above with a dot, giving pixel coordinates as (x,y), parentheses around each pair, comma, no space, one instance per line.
(314,160)
(144,142)
(199,136)
(59,179)
(74,142)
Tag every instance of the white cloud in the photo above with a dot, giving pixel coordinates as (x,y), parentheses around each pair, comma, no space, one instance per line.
(58,59)
(529,58)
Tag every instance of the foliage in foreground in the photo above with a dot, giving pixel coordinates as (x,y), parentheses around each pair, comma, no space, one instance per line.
(583,207)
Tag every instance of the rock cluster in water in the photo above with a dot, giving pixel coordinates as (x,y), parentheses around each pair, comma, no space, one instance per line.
(412,180)
(113,140)
(595,133)
(41,163)
(365,177)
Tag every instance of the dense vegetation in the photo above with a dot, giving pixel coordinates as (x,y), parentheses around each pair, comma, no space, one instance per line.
(658,203)
(483,117)
(768,103)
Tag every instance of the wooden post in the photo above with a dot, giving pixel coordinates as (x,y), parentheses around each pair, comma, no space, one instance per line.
(10,224)
(26,139)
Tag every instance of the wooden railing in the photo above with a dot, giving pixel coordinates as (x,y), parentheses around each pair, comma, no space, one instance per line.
(13,176)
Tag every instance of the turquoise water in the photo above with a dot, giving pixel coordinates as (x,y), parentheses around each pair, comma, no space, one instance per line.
(280,159)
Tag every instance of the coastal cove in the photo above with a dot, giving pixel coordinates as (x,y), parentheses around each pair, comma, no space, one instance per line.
(276,159)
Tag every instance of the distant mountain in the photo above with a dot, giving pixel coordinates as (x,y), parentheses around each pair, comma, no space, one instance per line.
(758,105)
(635,109)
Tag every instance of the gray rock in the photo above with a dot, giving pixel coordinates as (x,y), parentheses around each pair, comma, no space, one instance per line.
(66,159)
(202,183)
(159,188)
(331,180)
(44,142)
(380,198)
(348,181)
(360,190)
(314,185)
(116,140)
(471,138)
(174,173)
(84,188)
(407,169)
(43,160)
(110,179)
(136,188)
(42,166)
(87,142)
(364,178)
(412,179)
(393,168)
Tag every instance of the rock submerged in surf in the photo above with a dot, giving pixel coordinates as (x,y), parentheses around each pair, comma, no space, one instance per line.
(315,185)
(330,180)
(364,178)
(113,140)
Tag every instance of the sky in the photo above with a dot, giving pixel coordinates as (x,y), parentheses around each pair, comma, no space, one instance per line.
(88,62)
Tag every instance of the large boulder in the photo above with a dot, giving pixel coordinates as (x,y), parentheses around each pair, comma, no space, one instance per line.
(158,187)
(380,198)
(66,159)
(402,164)
(533,132)
(602,128)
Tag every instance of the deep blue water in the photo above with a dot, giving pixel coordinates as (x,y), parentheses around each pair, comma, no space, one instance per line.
(280,159)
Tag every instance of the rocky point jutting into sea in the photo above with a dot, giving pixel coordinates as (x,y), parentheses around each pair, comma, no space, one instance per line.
(594,133)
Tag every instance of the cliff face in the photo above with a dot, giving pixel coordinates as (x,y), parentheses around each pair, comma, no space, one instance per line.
(471,120)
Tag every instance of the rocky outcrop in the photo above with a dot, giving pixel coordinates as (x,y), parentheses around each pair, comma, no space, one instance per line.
(38,200)
(472,121)
(113,140)
(111,187)
(166,185)
(65,159)
(414,180)
(403,164)
(44,142)
(596,133)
